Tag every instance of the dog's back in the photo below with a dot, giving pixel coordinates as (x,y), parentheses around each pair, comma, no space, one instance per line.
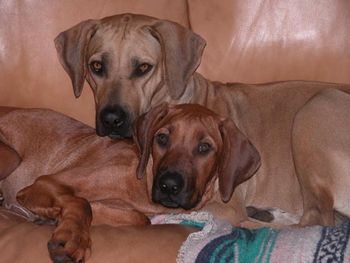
(46,143)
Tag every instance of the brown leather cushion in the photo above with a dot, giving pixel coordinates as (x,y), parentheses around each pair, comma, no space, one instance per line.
(264,41)
(24,242)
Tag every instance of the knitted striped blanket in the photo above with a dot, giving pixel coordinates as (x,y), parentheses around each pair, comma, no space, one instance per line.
(219,242)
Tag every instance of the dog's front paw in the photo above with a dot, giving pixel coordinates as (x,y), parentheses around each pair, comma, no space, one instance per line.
(69,245)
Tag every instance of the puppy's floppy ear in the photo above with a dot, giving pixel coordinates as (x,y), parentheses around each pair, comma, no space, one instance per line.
(71,46)
(182,52)
(9,160)
(144,129)
(239,159)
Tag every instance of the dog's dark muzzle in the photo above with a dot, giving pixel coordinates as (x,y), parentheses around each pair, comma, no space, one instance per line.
(114,121)
(170,190)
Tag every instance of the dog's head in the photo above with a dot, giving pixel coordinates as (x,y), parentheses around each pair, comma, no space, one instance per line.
(131,62)
(191,147)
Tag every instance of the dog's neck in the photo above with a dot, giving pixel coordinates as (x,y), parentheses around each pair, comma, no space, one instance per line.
(215,96)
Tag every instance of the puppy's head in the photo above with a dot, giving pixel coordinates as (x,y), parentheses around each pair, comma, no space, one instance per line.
(131,62)
(191,147)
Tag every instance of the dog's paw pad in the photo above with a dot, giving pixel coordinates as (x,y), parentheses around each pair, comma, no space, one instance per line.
(62,259)
(55,244)
(66,247)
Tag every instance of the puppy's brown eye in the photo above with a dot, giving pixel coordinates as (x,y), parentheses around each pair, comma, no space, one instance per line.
(162,139)
(97,67)
(142,69)
(204,148)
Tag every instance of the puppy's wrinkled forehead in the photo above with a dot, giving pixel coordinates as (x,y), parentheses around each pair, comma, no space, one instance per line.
(196,122)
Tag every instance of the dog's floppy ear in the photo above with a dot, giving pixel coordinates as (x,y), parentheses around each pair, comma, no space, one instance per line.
(9,160)
(71,46)
(182,52)
(239,159)
(144,129)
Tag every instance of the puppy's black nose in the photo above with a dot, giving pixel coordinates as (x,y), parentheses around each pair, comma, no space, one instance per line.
(113,118)
(171,183)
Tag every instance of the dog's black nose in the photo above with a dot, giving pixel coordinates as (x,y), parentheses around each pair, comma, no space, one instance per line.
(114,122)
(171,183)
(113,118)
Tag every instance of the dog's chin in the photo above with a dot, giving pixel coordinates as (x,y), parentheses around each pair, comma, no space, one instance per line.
(115,136)
(125,134)
(167,202)
(122,133)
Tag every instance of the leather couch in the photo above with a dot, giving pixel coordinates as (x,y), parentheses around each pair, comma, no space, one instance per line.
(247,41)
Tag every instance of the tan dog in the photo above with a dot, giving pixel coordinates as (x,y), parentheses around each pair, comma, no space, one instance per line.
(69,168)
(134,62)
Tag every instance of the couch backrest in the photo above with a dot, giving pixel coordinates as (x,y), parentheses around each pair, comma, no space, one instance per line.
(247,41)
(271,40)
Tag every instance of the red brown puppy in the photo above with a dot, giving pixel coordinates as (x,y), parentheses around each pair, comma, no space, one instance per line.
(71,175)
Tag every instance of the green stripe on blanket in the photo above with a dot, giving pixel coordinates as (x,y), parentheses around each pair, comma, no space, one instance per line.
(241,246)
(219,242)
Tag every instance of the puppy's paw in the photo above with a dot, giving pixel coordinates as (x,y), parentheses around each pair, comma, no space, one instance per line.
(69,244)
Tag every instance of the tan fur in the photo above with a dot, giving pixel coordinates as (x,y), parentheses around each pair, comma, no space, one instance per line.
(322,139)
(265,113)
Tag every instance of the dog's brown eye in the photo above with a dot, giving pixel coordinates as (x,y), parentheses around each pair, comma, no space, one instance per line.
(96,67)
(204,148)
(142,69)
(162,139)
